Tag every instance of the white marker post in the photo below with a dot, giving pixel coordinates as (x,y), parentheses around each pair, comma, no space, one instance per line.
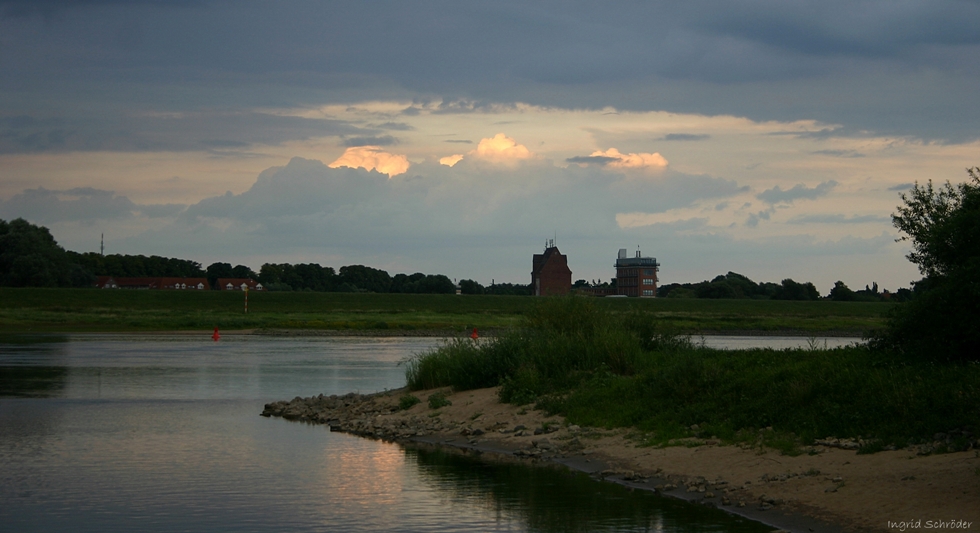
(246,299)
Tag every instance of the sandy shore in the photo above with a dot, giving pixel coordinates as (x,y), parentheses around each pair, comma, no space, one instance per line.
(829,489)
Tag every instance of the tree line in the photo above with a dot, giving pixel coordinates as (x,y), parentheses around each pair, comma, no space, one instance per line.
(736,286)
(30,257)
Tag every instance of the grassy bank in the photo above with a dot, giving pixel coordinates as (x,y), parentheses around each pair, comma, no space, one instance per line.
(123,310)
(598,368)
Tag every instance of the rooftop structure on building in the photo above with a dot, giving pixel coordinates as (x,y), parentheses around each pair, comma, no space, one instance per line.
(550,275)
(238,284)
(636,276)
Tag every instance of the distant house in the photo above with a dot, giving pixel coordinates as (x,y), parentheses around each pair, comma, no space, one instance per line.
(636,276)
(550,274)
(238,284)
(146,283)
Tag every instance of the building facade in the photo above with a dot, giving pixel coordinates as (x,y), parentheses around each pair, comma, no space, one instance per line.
(238,284)
(550,275)
(636,276)
(147,283)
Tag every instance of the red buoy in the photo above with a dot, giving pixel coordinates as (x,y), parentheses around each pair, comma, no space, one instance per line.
(215,336)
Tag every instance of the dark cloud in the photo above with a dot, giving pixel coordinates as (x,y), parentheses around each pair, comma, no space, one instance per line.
(593,159)
(880,66)
(397,126)
(193,131)
(839,153)
(754,218)
(381,140)
(24,8)
(777,195)
(901,187)
(460,141)
(83,204)
(686,137)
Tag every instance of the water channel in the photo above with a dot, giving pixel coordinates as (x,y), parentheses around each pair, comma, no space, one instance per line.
(162,433)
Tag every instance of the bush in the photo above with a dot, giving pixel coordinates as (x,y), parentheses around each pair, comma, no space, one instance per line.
(438,399)
(407,401)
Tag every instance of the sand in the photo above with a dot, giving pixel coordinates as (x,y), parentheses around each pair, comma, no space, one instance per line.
(829,489)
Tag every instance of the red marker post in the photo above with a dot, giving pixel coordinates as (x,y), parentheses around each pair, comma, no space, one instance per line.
(215,336)
(474,335)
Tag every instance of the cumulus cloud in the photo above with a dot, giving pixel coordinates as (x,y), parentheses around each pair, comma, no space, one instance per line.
(799,192)
(372,158)
(451,160)
(501,149)
(614,159)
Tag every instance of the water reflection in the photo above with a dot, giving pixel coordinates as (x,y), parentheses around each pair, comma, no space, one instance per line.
(33,366)
(551,499)
(162,433)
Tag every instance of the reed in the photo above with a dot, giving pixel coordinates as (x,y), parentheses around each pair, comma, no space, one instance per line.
(597,368)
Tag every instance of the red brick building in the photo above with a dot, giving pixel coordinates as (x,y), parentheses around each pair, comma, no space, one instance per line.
(636,276)
(173,284)
(550,274)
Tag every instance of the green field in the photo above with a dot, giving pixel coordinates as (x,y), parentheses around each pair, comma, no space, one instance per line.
(89,310)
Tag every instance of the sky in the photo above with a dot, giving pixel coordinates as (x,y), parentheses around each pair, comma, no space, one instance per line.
(768,138)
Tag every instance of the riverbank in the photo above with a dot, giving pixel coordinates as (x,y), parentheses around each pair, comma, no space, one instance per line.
(39,310)
(829,488)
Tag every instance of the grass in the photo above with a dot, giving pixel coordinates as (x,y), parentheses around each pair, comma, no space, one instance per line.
(598,368)
(66,310)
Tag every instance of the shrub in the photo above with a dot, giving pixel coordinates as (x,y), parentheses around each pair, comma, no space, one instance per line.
(407,401)
(438,399)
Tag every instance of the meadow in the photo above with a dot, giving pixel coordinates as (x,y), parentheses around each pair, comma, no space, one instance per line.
(91,310)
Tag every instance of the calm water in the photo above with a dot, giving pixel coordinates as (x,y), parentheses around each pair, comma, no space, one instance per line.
(736,342)
(162,433)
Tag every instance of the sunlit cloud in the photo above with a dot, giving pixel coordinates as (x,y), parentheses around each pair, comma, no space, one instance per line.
(372,158)
(653,161)
(451,160)
(613,158)
(501,148)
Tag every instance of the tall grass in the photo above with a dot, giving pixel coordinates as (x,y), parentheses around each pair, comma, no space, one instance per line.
(601,369)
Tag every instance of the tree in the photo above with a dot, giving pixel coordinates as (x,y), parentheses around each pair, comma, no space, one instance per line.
(218,270)
(468,286)
(30,257)
(792,290)
(365,278)
(841,293)
(943,320)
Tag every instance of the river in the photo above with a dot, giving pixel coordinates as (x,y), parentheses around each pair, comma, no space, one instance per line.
(162,433)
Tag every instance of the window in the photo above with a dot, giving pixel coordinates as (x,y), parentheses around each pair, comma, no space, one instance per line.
(647,292)
(647,281)
(647,271)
